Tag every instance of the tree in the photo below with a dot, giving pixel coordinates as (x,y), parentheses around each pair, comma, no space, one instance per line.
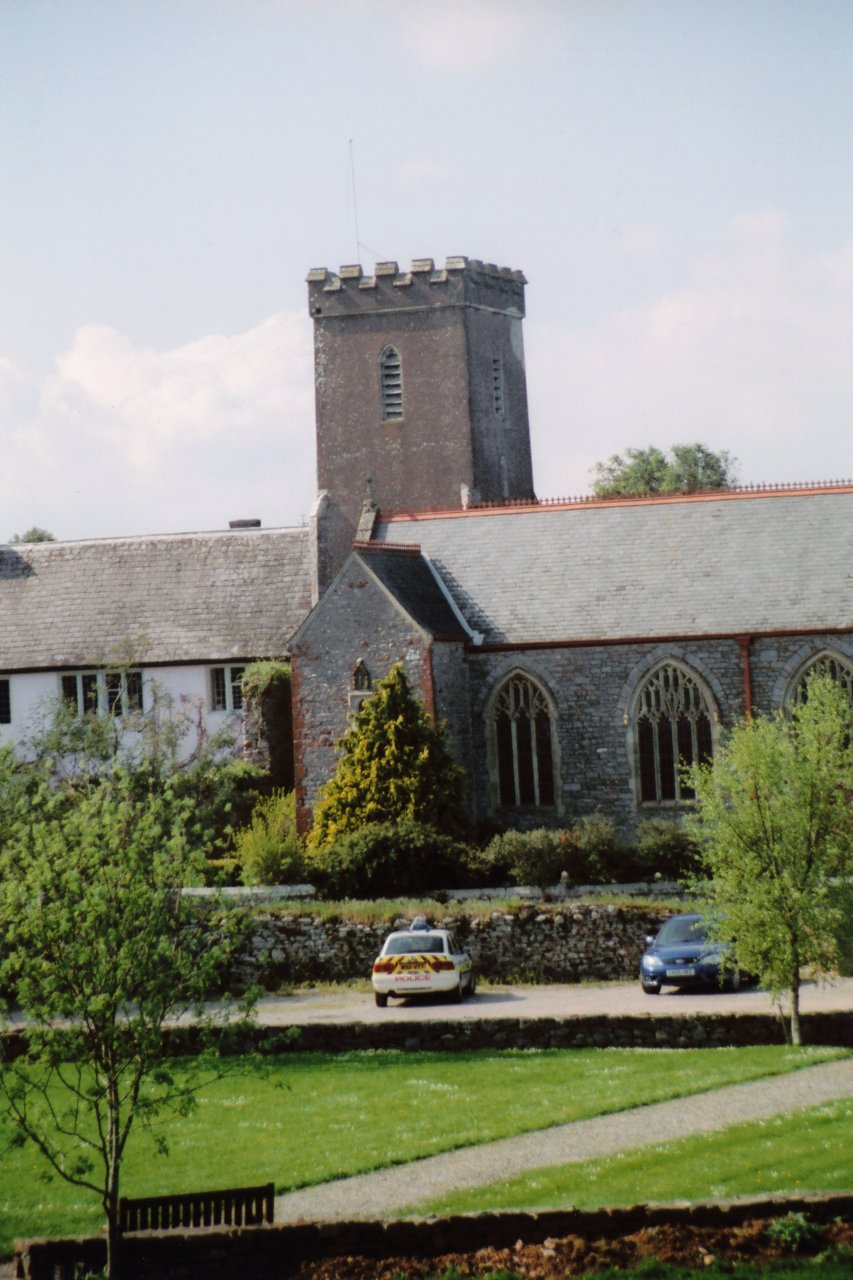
(33,535)
(102,951)
(395,763)
(688,468)
(774,822)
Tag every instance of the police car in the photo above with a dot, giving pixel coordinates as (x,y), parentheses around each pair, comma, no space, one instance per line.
(422,961)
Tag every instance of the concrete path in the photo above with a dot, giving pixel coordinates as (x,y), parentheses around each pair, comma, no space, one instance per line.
(382,1194)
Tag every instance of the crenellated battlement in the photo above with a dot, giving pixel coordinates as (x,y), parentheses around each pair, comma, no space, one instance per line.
(460,282)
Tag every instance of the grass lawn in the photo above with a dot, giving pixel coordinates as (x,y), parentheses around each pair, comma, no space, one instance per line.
(305,1119)
(805,1151)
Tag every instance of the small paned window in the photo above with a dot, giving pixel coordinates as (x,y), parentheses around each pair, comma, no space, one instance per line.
(498,385)
(226,688)
(829,664)
(673,728)
(5,702)
(391,384)
(116,693)
(523,737)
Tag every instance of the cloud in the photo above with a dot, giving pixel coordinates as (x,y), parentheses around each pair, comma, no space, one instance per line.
(121,438)
(749,354)
(471,37)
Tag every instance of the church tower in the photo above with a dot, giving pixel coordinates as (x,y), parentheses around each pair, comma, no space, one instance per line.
(421,396)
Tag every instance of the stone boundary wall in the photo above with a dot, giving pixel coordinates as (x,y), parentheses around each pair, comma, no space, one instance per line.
(569,942)
(637,1031)
(627,1031)
(278,1250)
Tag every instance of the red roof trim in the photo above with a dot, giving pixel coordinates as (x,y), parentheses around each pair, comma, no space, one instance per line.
(523,506)
(513,646)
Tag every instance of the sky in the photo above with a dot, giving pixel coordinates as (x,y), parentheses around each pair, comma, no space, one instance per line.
(673,177)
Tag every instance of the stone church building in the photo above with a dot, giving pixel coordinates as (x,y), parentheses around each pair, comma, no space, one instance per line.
(576,650)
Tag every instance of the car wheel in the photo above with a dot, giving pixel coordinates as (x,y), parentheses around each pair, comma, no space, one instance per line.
(457,994)
(651,988)
(381,1001)
(472,985)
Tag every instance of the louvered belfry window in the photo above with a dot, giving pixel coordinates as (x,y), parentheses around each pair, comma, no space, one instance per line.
(524,748)
(391,384)
(673,722)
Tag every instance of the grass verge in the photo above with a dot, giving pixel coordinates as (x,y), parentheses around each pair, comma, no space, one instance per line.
(305,1119)
(791,1154)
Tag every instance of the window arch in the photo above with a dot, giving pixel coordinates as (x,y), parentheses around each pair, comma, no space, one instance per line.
(522,725)
(827,663)
(672,725)
(391,384)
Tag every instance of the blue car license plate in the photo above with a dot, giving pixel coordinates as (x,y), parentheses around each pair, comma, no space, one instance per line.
(684,972)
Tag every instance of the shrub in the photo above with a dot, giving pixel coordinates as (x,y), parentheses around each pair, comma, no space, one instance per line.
(794,1232)
(395,765)
(269,850)
(385,859)
(598,856)
(526,857)
(664,849)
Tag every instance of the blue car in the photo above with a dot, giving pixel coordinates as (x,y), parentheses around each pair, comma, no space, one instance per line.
(682,955)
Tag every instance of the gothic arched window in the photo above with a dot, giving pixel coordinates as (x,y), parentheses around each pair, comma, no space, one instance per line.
(673,728)
(524,747)
(391,384)
(828,664)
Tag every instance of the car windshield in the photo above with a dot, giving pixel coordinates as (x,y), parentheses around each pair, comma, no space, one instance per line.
(409,943)
(682,929)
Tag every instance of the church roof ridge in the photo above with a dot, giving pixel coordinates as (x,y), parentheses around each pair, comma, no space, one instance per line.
(786,489)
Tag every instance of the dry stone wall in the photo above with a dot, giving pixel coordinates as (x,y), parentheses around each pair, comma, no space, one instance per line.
(569,942)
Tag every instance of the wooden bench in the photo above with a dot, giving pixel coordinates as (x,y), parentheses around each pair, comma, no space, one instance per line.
(237,1207)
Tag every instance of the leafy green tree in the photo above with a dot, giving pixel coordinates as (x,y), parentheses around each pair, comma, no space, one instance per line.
(269,850)
(395,763)
(102,951)
(641,473)
(776,831)
(33,535)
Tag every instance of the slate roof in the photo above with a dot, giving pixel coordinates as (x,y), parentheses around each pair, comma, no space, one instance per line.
(196,597)
(742,563)
(410,580)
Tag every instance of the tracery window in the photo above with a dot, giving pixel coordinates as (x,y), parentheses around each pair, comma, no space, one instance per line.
(830,664)
(673,728)
(523,737)
(391,384)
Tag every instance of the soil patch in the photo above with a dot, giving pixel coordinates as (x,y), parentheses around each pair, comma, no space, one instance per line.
(556,1259)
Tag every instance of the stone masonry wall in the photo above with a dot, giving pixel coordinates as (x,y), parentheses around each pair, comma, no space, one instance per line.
(566,943)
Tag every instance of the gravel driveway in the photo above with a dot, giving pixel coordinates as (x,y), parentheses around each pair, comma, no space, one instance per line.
(542,1002)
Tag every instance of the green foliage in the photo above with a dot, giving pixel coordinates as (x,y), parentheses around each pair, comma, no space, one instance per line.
(101,952)
(665,849)
(269,850)
(793,1232)
(527,857)
(774,820)
(265,677)
(395,764)
(589,852)
(688,468)
(35,534)
(388,858)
